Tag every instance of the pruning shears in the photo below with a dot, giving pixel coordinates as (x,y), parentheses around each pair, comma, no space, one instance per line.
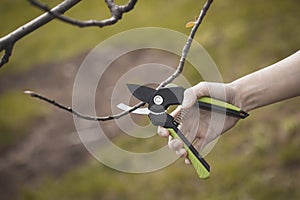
(158,102)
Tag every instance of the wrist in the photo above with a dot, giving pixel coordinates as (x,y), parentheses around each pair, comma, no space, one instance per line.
(245,96)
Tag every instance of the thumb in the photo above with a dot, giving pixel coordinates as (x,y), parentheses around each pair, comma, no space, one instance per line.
(189,98)
(191,94)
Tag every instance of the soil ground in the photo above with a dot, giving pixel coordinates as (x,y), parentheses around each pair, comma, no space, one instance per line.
(52,146)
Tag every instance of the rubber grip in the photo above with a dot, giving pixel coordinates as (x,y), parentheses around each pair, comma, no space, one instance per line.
(222,107)
(201,166)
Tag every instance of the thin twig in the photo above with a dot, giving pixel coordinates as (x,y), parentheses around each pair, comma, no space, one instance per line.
(78,114)
(187,46)
(7,42)
(116,11)
(179,69)
(7,53)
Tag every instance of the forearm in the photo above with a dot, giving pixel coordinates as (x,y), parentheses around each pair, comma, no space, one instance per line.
(269,85)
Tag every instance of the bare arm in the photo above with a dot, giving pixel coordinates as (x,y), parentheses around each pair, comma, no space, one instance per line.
(266,86)
(269,85)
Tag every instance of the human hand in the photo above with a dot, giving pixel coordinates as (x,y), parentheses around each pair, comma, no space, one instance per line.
(201,128)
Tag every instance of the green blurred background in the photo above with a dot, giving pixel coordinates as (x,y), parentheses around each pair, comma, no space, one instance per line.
(257,159)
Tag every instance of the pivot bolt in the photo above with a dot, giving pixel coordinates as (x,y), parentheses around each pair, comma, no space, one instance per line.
(158,100)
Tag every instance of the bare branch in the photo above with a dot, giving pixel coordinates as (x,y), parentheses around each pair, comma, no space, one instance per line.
(115,10)
(74,112)
(7,42)
(178,71)
(7,53)
(187,46)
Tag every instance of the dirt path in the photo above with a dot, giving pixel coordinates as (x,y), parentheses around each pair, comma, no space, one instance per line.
(48,148)
(52,146)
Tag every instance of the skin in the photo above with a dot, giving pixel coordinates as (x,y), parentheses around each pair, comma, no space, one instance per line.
(269,85)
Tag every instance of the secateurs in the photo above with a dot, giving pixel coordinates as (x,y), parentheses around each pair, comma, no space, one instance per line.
(158,102)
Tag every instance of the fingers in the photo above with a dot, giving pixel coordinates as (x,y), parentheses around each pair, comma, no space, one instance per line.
(181,153)
(174,144)
(187,161)
(193,93)
(214,90)
(189,98)
(190,123)
(176,111)
(198,145)
(162,131)
(177,146)
(211,89)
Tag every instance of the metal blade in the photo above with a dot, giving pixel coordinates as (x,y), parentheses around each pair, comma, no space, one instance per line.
(142,93)
(141,111)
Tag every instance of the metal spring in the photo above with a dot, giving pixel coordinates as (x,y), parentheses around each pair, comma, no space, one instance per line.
(181,116)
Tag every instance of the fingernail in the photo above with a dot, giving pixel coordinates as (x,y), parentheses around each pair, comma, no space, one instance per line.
(175,144)
(187,161)
(162,132)
(181,152)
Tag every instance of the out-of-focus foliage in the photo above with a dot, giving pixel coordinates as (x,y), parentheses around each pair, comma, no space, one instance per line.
(258,159)
(16,117)
(242,168)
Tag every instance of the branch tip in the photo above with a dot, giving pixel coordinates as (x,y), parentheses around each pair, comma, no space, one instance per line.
(116,12)
(28,92)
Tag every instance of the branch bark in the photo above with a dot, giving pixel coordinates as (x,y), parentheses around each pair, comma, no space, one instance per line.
(116,11)
(187,46)
(178,71)
(7,42)
(80,115)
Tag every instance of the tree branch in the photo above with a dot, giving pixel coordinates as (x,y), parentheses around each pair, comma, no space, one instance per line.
(116,11)
(187,46)
(74,112)
(178,71)
(7,53)
(7,42)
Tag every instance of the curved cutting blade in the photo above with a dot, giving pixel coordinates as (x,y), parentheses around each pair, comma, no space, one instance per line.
(141,92)
(140,111)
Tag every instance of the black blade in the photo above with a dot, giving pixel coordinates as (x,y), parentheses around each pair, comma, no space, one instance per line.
(142,93)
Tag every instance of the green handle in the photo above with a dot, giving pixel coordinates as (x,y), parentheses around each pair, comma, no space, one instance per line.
(223,107)
(200,165)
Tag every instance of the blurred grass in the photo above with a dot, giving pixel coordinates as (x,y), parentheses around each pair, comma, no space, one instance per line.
(17,115)
(58,41)
(258,159)
(239,172)
(239,35)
